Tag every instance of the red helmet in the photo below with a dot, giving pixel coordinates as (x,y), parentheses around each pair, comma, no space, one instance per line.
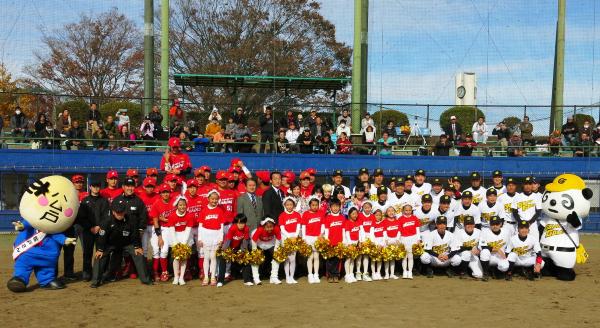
(77,178)
(151,171)
(289,175)
(112,174)
(311,171)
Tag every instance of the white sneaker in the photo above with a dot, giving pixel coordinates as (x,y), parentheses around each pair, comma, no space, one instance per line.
(316,278)
(309,278)
(275,281)
(409,275)
(294,281)
(175,281)
(257,282)
(347,279)
(376,277)
(393,276)
(248,283)
(219,284)
(386,277)
(181,282)
(366,277)
(404,274)
(357,276)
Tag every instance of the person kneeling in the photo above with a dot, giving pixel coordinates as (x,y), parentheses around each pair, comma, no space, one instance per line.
(440,249)
(524,251)
(118,234)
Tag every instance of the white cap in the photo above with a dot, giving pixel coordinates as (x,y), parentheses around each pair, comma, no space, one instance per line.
(452,117)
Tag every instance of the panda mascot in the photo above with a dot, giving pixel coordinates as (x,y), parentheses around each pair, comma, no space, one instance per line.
(565,203)
(49,206)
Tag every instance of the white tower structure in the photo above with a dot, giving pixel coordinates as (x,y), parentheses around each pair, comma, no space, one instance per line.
(465,92)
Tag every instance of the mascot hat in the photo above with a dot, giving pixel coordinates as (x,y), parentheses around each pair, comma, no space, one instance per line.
(565,182)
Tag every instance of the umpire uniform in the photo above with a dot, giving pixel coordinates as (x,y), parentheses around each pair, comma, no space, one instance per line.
(118,235)
(93,209)
(134,207)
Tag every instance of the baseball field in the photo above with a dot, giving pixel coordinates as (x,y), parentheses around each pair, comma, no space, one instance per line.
(422,302)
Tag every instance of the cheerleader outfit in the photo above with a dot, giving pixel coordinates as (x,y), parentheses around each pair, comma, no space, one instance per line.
(180,232)
(351,237)
(267,242)
(289,223)
(334,232)
(378,238)
(313,228)
(210,234)
(366,223)
(410,235)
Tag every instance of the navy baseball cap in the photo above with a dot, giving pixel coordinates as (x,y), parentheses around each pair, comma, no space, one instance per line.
(445,199)
(491,191)
(441,220)
(467,194)
(377,172)
(523,224)
(129,182)
(497,173)
(118,206)
(420,172)
(469,220)
(381,190)
(475,176)
(363,170)
(338,173)
(437,181)
(495,220)
(426,198)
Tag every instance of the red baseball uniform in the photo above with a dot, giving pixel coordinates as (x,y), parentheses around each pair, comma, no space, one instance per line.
(111,193)
(179,161)
(160,208)
(228,201)
(194,206)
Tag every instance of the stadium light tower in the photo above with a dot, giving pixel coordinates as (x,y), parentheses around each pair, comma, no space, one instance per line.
(148,55)
(359,62)
(558,80)
(164,60)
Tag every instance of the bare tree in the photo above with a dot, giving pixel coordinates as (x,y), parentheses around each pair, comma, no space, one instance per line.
(101,56)
(255,37)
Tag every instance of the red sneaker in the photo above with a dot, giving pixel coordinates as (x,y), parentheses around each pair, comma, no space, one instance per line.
(164,277)
(133,275)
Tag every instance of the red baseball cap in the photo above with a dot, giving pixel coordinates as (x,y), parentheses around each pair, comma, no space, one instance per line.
(222,175)
(179,180)
(230,177)
(162,188)
(304,175)
(264,176)
(198,172)
(192,182)
(289,175)
(235,170)
(132,173)
(112,174)
(205,168)
(234,161)
(311,171)
(149,182)
(77,178)
(170,177)
(151,171)
(174,142)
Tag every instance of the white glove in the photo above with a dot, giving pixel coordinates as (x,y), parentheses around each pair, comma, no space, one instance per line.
(19,226)
(70,241)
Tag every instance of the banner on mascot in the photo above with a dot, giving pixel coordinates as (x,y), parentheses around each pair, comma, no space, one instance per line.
(28,244)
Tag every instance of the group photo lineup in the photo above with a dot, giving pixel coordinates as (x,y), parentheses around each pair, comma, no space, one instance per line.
(299,163)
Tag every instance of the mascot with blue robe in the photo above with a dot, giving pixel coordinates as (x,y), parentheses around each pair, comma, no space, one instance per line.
(49,206)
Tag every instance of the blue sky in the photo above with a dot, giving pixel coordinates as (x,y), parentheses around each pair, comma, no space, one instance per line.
(415,46)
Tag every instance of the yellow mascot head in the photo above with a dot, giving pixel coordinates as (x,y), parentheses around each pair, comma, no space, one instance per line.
(565,195)
(50,204)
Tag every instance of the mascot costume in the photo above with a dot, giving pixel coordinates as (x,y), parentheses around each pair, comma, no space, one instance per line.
(565,204)
(49,206)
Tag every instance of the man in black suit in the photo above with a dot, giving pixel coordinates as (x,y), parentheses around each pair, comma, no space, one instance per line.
(251,205)
(272,199)
(453,130)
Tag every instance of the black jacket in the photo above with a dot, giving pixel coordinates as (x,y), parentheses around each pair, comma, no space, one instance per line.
(92,211)
(272,204)
(305,149)
(94,115)
(118,234)
(502,134)
(448,131)
(136,210)
(266,124)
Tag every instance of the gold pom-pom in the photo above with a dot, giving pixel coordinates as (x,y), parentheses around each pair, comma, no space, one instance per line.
(242,257)
(256,257)
(304,249)
(339,251)
(387,253)
(418,249)
(323,247)
(181,251)
(280,254)
(351,252)
(376,253)
(227,254)
(367,247)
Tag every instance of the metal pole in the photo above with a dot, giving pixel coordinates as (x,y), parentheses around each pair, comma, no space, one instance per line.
(427,124)
(148,55)
(359,62)
(164,59)
(559,69)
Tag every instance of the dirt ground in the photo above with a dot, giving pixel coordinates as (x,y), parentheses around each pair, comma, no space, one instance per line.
(419,303)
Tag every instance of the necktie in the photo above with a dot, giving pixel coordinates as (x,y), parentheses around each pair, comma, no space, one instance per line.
(280,194)
(253,200)
(453,129)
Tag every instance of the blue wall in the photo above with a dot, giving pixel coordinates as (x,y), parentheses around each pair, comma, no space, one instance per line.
(47,161)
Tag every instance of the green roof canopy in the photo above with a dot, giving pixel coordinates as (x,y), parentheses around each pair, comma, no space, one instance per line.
(268,82)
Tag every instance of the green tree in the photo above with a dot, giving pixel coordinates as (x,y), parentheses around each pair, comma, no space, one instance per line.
(511,122)
(381,118)
(465,116)
(580,118)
